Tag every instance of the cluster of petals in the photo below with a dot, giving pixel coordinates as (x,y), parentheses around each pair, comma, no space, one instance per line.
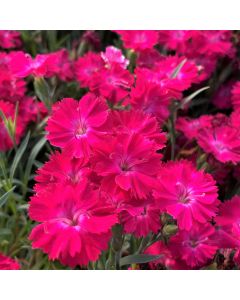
(7,263)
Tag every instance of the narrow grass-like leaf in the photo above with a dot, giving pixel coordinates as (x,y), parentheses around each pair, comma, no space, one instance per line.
(193,95)
(178,69)
(4,197)
(138,259)
(36,149)
(19,155)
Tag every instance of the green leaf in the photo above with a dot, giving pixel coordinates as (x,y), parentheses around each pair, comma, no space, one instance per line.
(193,95)
(178,69)
(42,90)
(36,149)
(19,155)
(138,259)
(4,197)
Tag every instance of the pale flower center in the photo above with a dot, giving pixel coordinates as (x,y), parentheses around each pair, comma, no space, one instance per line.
(80,130)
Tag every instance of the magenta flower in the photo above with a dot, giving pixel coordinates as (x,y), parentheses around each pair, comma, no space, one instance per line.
(187,194)
(76,126)
(7,263)
(195,247)
(138,39)
(130,162)
(221,141)
(140,220)
(75,224)
(64,169)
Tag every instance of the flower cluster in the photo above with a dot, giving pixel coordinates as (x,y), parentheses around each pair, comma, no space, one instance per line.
(145,154)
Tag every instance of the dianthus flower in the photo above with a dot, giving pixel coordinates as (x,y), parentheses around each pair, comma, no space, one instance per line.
(152,99)
(7,263)
(114,55)
(138,40)
(167,259)
(223,142)
(75,126)
(140,220)
(228,223)
(86,66)
(190,127)
(112,83)
(136,121)
(195,247)
(64,169)
(130,162)
(75,224)
(189,195)
(10,39)
(48,65)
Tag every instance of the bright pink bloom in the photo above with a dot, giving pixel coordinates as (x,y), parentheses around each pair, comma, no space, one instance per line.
(64,169)
(152,99)
(148,58)
(138,40)
(140,220)
(228,221)
(113,55)
(195,247)
(75,125)
(10,39)
(136,121)
(86,66)
(187,194)
(166,260)
(7,263)
(130,162)
(222,141)
(75,224)
(190,127)
(114,84)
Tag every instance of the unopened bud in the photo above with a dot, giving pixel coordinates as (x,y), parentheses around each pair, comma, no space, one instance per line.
(169,230)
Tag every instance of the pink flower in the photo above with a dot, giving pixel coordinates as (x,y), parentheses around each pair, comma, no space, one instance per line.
(7,263)
(76,126)
(64,169)
(221,141)
(113,55)
(136,121)
(228,223)
(187,194)
(167,259)
(148,58)
(140,220)
(190,127)
(138,40)
(75,224)
(130,162)
(195,247)
(10,39)
(86,66)
(152,99)
(114,84)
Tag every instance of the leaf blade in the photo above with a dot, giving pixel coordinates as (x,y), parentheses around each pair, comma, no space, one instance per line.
(138,259)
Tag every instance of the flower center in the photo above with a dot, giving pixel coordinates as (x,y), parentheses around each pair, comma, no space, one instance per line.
(80,130)
(184,193)
(125,167)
